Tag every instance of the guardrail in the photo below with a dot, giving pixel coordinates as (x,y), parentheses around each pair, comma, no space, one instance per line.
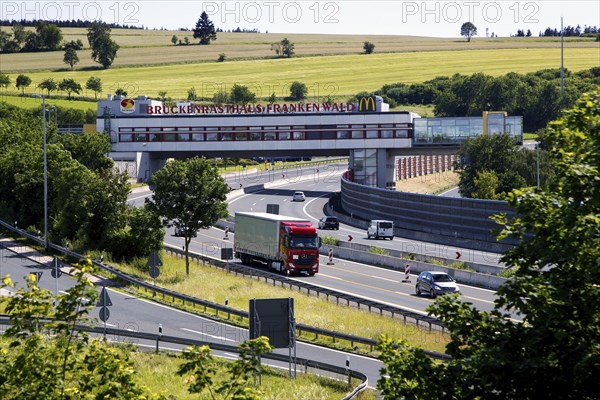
(172,296)
(306,363)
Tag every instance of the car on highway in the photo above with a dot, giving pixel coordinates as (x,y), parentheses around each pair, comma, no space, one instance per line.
(380,229)
(435,283)
(298,196)
(329,222)
(180,231)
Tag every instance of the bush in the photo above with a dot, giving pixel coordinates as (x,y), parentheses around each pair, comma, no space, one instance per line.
(378,250)
(221,57)
(330,240)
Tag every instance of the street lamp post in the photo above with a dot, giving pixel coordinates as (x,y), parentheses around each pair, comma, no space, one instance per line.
(45,175)
(44,113)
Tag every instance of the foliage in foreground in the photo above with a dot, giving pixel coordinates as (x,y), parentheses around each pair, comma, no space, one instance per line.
(56,360)
(555,351)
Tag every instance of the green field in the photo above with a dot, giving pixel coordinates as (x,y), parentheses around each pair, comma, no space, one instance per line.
(330,65)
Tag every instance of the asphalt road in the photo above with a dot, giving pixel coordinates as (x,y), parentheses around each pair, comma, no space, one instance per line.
(128,312)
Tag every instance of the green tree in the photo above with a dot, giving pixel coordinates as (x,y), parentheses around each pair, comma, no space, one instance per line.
(205,29)
(495,153)
(555,290)
(368,47)
(241,94)
(189,195)
(222,57)
(89,149)
(23,81)
(70,57)
(48,85)
(121,92)
(220,97)
(70,86)
(4,80)
(468,30)
(49,36)
(201,366)
(287,48)
(272,98)
(73,44)
(104,49)
(19,34)
(162,95)
(57,360)
(95,84)
(485,185)
(191,94)
(174,40)
(298,90)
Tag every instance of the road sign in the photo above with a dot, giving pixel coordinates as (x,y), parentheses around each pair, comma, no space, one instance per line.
(104,300)
(56,266)
(154,260)
(226,253)
(154,272)
(104,314)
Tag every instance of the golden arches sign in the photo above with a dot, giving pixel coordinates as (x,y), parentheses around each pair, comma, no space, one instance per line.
(366,104)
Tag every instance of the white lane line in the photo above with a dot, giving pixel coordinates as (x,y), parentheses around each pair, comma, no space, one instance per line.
(206,334)
(139,197)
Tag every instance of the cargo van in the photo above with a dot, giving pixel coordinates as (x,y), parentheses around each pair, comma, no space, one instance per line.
(379,228)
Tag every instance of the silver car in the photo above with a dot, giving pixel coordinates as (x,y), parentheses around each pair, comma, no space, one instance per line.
(435,283)
(298,196)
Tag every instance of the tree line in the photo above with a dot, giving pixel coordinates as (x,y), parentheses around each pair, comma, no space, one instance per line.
(535,95)
(48,37)
(64,23)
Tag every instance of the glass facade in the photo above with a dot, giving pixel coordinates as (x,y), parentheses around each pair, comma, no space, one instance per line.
(365,167)
(448,131)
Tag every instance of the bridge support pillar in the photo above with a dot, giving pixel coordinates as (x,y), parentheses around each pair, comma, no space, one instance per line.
(147,165)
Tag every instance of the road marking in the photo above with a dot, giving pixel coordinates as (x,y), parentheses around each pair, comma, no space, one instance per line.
(366,297)
(359,273)
(206,334)
(139,197)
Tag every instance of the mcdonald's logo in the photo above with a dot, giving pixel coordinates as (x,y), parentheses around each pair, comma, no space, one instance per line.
(366,104)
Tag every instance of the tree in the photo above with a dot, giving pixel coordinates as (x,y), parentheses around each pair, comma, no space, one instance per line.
(368,47)
(191,94)
(48,85)
(70,57)
(189,195)
(94,83)
(49,36)
(222,57)
(121,92)
(201,365)
(287,48)
(468,30)
(4,80)
(68,361)
(163,95)
(104,49)
(69,85)
(493,153)
(205,29)
(73,44)
(554,289)
(174,40)
(272,98)
(19,34)
(486,185)
(298,90)
(276,47)
(22,82)
(240,94)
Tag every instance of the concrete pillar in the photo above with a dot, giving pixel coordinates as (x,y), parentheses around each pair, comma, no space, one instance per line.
(385,168)
(147,165)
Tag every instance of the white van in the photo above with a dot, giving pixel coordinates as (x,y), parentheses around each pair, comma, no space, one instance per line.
(380,229)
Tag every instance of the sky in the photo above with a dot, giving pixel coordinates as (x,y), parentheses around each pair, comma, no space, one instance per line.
(387,17)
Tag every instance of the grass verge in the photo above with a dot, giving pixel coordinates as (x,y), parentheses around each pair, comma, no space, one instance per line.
(216,285)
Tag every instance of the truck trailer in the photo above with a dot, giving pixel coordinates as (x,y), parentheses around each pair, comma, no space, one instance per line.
(284,244)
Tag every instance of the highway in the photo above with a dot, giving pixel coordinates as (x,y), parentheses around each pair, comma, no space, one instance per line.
(353,278)
(131,313)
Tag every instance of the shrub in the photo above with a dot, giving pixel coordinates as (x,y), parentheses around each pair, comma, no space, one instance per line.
(378,250)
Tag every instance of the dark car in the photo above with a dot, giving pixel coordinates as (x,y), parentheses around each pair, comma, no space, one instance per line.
(435,283)
(329,223)
(182,231)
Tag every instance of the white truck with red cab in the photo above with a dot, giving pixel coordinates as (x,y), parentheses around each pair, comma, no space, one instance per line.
(284,244)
